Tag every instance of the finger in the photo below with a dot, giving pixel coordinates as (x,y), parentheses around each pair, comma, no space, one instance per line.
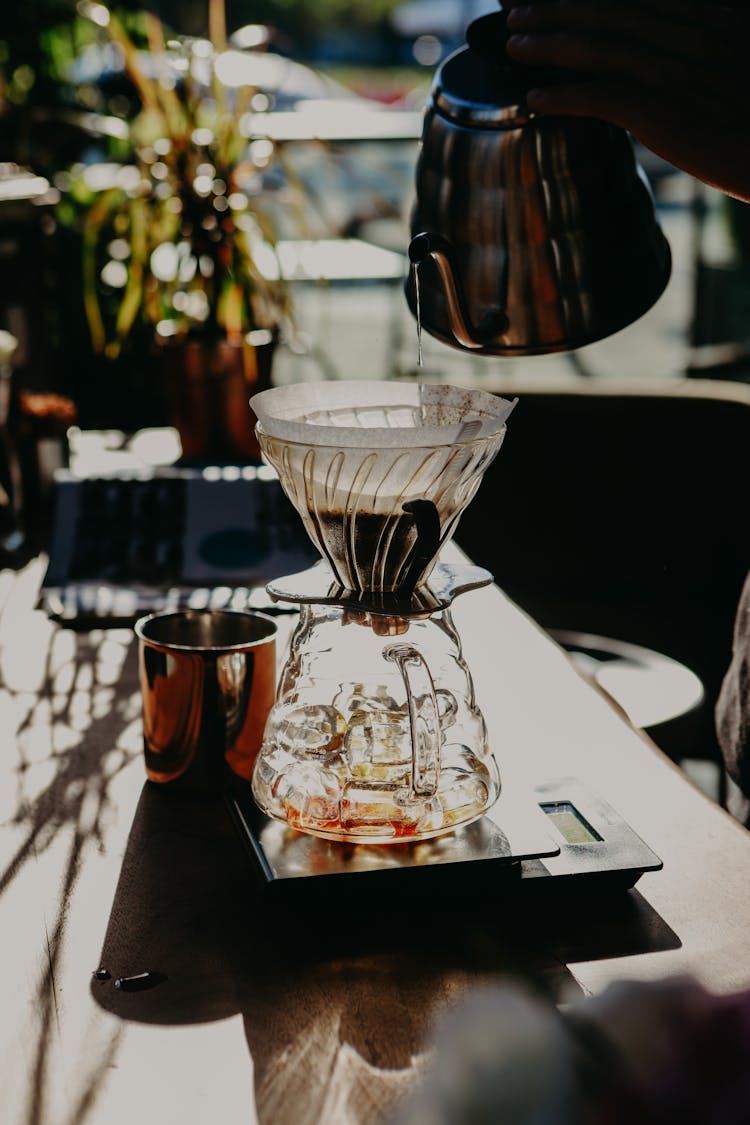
(621,59)
(591,54)
(557,14)
(608,101)
(704,13)
(655,24)
(706,151)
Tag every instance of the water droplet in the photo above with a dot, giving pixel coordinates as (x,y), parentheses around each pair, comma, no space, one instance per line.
(420,358)
(140,982)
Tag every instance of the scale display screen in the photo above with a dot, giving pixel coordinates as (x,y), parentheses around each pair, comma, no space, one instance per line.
(566,818)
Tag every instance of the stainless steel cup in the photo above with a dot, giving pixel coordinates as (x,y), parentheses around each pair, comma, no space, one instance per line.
(208,680)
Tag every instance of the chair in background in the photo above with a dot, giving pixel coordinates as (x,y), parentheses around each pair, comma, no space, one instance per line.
(620,511)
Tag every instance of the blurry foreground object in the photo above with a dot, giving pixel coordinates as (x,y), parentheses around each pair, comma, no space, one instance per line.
(640,1052)
(530,235)
(11,534)
(733,713)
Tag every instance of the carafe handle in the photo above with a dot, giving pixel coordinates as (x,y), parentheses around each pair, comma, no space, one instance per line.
(424,718)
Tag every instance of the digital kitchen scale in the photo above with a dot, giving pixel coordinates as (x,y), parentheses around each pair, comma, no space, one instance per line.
(560,837)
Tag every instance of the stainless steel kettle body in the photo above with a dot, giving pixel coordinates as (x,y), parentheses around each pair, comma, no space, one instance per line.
(529,234)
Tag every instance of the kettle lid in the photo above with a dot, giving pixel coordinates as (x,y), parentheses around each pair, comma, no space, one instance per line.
(480,85)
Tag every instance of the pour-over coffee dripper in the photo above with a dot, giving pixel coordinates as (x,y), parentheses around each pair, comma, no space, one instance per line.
(375,735)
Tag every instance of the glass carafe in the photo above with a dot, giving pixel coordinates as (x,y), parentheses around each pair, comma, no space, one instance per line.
(375,735)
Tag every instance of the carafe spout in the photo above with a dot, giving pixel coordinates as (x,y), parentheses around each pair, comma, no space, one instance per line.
(428,244)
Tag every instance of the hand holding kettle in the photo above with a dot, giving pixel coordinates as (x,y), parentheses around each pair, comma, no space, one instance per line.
(530,234)
(671,72)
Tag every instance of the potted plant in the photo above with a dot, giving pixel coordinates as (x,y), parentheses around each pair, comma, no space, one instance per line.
(180,238)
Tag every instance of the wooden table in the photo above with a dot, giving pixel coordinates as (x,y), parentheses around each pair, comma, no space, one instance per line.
(300,1024)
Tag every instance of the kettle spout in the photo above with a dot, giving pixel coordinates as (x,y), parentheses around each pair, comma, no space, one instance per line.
(493,323)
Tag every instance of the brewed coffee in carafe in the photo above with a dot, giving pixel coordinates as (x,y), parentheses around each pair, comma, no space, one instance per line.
(375,735)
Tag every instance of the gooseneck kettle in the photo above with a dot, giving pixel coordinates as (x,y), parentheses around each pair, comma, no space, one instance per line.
(529,234)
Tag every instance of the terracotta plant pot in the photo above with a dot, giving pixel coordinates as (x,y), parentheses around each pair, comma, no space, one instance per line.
(208,385)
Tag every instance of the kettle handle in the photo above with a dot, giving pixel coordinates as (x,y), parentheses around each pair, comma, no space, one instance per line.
(428,244)
(424,718)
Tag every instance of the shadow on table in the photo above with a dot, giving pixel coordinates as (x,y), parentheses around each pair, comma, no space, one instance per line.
(72,703)
(342,990)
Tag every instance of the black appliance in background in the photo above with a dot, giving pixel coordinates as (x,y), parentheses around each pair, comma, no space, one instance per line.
(126,545)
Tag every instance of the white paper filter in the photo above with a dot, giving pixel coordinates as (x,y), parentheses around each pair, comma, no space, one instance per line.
(337,413)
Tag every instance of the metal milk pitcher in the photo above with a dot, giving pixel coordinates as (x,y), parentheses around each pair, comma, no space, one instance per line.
(529,234)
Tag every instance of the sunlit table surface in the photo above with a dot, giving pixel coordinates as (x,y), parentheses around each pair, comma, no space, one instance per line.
(101,869)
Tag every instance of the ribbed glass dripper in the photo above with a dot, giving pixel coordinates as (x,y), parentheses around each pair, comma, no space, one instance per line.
(379,472)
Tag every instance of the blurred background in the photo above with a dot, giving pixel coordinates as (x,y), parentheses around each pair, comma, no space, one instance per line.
(330,142)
